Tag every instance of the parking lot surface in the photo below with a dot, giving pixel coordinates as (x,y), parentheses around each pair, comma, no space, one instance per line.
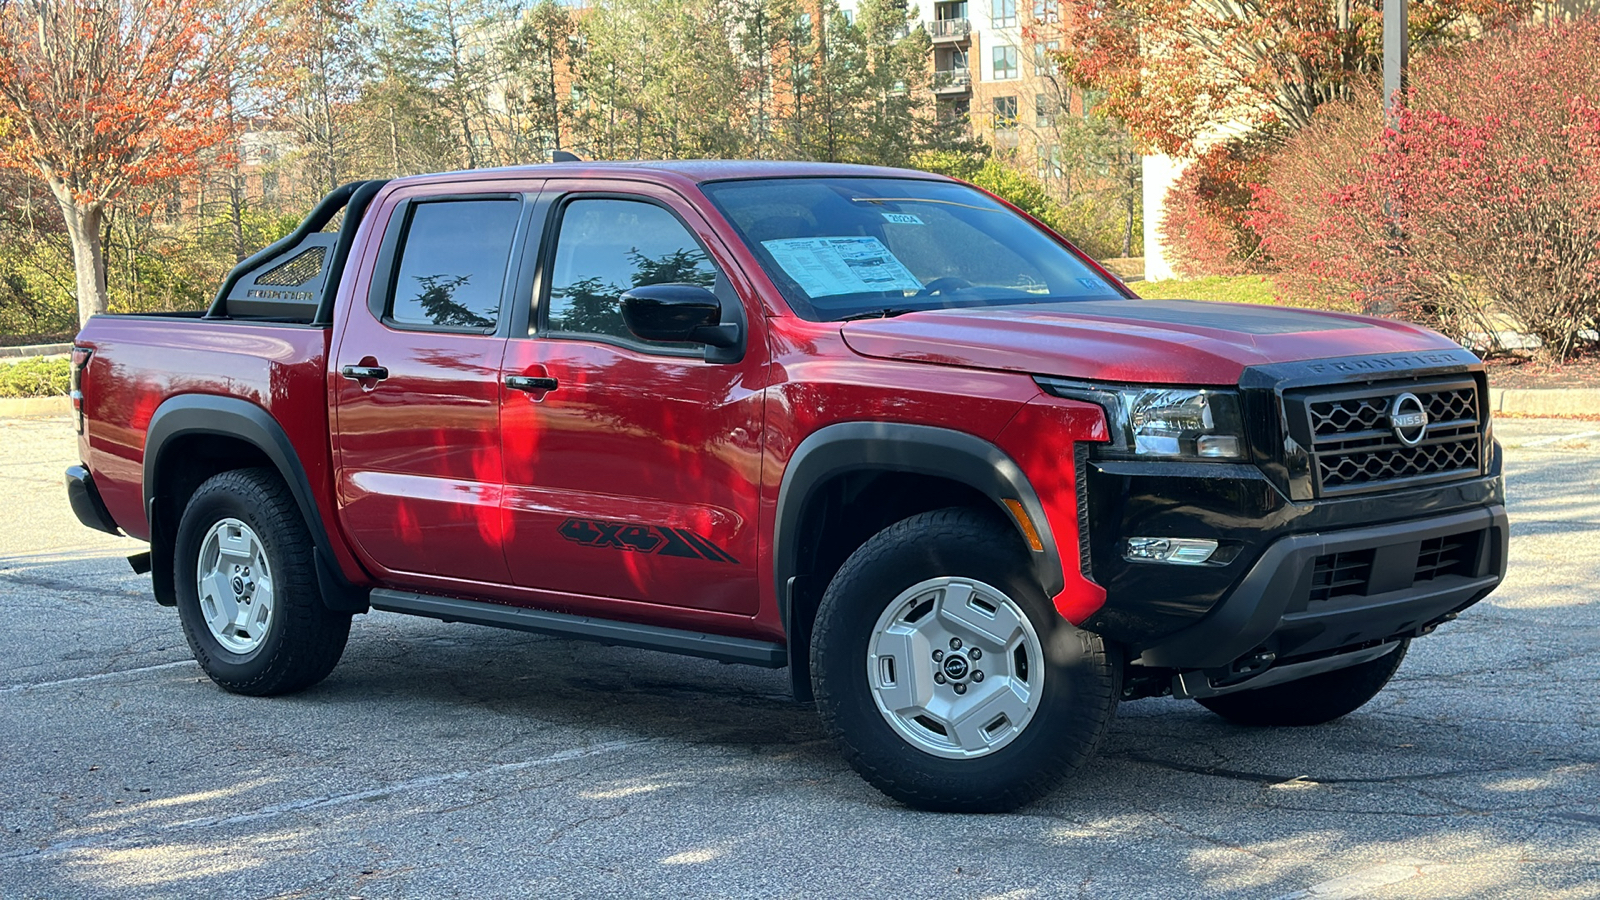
(456,761)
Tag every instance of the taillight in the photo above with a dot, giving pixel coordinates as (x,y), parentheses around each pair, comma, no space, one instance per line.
(80,361)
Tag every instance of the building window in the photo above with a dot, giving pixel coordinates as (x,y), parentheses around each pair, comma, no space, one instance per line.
(1045,62)
(849,16)
(1050,161)
(1046,108)
(1046,12)
(1005,113)
(1005,63)
(1005,13)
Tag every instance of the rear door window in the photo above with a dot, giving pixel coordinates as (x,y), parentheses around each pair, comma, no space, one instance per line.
(453,261)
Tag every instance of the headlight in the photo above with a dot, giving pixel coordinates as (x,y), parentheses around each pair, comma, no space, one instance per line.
(1177,423)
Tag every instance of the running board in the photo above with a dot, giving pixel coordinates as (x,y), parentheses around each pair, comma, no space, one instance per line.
(587,628)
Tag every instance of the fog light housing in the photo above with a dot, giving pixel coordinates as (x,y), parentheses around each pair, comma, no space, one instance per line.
(1176,551)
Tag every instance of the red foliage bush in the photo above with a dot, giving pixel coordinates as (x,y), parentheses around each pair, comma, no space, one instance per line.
(1205,228)
(1480,212)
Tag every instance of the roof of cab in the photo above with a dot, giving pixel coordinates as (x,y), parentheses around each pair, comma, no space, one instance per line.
(692,171)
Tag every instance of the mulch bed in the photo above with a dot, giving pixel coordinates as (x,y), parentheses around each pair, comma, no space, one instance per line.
(28,340)
(1582,371)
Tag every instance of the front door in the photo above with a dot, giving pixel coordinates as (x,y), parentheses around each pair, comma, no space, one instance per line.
(416,386)
(632,468)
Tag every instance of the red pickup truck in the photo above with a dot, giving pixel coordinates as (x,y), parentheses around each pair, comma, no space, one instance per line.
(874,425)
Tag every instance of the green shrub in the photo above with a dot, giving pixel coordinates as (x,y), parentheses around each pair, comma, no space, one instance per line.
(37,377)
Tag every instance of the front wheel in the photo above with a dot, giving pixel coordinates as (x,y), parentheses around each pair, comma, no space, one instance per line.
(1310,701)
(247,588)
(945,675)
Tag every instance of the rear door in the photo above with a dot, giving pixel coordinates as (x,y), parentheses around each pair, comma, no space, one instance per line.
(416,386)
(632,468)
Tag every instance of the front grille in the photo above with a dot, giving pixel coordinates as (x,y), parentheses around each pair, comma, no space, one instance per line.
(1453,555)
(1340,575)
(1360,573)
(1356,446)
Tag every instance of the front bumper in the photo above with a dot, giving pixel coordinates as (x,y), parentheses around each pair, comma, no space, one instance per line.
(1278,611)
(86,503)
(1290,580)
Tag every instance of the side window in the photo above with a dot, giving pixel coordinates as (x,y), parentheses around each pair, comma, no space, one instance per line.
(605,247)
(452,264)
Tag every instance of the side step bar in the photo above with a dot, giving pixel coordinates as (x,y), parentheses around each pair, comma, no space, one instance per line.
(588,628)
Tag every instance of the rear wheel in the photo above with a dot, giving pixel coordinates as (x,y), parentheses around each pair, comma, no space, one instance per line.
(1310,701)
(946,677)
(247,588)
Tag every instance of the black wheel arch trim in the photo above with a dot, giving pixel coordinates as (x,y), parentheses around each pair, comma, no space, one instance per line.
(896,447)
(190,414)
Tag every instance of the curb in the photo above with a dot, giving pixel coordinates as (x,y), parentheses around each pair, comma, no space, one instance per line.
(32,407)
(1553,402)
(36,350)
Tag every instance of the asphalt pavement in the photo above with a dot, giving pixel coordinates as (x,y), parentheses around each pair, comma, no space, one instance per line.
(457,761)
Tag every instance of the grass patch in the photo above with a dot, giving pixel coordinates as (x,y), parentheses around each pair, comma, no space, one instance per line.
(1257,289)
(35,377)
(1225,288)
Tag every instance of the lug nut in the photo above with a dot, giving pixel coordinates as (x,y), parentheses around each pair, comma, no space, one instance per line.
(961,689)
(938,655)
(938,677)
(977,674)
(976,654)
(955,643)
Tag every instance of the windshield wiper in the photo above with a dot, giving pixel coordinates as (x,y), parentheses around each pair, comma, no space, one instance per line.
(885,313)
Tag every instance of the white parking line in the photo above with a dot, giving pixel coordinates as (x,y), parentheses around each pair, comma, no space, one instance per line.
(1545,442)
(327,800)
(1364,881)
(269,812)
(17,688)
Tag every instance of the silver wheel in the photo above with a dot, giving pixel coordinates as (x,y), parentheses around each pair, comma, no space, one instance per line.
(955,667)
(234,584)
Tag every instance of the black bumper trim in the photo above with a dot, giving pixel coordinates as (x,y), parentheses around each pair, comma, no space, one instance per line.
(86,502)
(1261,604)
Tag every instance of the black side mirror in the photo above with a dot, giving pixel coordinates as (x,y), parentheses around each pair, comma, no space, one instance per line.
(677,312)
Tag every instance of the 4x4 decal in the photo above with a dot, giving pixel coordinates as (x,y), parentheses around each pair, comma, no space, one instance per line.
(658,539)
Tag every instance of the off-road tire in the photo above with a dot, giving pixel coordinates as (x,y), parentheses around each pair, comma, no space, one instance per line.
(1310,701)
(1081,685)
(304,639)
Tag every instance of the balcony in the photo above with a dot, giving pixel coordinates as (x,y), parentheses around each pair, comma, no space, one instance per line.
(949,31)
(950,82)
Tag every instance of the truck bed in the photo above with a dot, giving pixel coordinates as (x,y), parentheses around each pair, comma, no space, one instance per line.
(139,362)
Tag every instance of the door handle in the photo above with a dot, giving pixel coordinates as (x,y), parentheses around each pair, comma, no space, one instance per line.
(531,383)
(364,373)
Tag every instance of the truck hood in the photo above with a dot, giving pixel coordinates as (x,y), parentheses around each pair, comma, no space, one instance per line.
(1136,341)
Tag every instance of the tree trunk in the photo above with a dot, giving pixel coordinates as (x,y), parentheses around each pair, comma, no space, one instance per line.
(84,221)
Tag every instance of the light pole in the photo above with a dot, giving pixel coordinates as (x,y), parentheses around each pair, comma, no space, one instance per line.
(1396,57)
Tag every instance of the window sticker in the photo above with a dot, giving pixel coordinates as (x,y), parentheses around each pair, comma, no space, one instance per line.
(902,219)
(830,266)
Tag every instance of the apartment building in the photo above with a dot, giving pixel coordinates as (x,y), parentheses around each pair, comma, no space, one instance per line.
(994,74)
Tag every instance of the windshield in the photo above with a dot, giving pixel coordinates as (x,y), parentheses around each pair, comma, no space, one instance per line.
(843,247)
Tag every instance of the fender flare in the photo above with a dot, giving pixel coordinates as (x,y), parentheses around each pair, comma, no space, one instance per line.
(189,414)
(895,447)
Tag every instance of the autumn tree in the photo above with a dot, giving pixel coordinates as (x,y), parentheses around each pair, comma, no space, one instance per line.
(104,95)
(316,73)
(1178,72)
